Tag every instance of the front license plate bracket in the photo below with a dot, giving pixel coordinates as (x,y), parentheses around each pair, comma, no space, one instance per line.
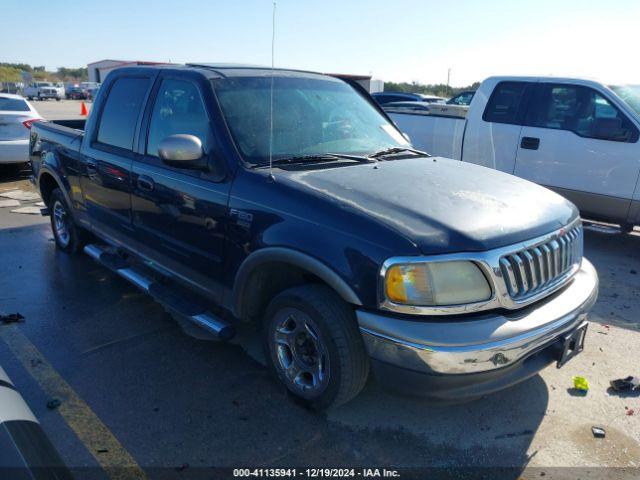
(573,344)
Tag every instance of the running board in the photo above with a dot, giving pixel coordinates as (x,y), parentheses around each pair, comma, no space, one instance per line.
(184,305)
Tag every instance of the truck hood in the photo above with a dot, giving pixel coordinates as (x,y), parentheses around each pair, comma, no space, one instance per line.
(443,205)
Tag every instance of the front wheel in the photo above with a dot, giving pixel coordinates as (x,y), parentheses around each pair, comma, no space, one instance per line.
(68,236)
(314,347)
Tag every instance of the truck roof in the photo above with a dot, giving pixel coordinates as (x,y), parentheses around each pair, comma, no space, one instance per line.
(547,78)
(229,70)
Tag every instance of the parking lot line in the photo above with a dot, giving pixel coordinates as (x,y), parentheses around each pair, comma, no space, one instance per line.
(97,438)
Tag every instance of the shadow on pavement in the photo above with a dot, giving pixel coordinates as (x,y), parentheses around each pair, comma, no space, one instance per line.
(172,400)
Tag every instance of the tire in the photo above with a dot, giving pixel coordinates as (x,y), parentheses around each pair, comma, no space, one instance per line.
(313,346)
(68,236)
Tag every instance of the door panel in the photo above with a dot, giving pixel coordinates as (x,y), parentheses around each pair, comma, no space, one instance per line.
(180,214)
(106,161)
(562,120)
(106,187)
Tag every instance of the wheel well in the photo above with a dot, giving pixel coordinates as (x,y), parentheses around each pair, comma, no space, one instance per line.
(267,281)
(47,185)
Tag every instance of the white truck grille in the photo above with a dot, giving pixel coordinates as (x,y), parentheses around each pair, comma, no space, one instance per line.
(542,266)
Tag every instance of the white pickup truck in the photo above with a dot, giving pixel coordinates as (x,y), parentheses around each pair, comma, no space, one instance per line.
(577,137)
(42,90)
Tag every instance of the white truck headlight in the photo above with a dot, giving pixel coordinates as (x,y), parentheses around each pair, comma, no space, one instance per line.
(435,283)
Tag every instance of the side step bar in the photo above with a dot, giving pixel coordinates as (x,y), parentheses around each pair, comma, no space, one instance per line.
(189,309)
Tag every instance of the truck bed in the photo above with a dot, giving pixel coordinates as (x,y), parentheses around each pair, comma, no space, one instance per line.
(61,132)
(439,135)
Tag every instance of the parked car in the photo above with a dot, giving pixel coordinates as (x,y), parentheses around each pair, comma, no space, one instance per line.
(387,97)
(43,90)
(577,137)
(432,99)
(16,117)
(76,93)
(312,217)
(92,92)
(463,98)
(384,98)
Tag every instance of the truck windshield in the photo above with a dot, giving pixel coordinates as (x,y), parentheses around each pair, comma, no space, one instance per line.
(630,94)
(310,116)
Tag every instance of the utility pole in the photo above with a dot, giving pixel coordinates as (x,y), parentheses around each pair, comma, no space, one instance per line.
(448,78)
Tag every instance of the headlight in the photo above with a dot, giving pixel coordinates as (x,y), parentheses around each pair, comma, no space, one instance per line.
(435,283)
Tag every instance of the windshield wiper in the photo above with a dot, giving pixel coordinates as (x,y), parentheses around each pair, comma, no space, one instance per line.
(319,157)
(394,150)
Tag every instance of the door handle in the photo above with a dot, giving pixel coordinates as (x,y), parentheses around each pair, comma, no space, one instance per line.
(530,143)
(145,183)
(92,168)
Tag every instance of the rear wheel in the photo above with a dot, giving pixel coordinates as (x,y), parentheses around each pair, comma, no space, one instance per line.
(68,236)
(314,347)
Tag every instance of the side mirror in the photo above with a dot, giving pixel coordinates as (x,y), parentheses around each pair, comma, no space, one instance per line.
(182,151)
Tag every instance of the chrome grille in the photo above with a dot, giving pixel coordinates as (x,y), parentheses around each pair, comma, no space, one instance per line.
(542,266)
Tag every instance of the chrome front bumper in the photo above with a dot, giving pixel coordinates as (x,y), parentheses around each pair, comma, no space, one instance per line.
(473,344)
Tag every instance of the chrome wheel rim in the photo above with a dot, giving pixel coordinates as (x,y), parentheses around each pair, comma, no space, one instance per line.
(301,356)
(60,224)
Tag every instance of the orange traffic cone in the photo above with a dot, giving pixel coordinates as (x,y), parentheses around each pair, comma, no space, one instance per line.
(83,110)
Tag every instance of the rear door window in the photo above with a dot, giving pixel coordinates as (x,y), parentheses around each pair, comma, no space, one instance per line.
(121,111)
(506,104)
(580,110)
(13,105)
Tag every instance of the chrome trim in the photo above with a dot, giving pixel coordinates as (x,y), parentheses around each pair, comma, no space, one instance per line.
(489,342)
(519,275)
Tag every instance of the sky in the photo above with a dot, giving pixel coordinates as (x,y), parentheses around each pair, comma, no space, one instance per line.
(394,40)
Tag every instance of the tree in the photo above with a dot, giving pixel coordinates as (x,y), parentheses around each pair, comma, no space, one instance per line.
(439,89)
(9,74)
(78,74)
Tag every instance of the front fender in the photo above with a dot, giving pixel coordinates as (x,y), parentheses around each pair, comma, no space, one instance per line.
(292,257)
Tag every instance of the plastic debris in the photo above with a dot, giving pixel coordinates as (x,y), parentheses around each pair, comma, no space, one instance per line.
(581,384)
(625,384)
(53,404)
(20,195)
(630,411)
(9,203)
(11,318)
(598,432)
(27,210)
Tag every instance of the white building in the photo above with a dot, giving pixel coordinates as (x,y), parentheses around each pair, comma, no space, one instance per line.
(98,71)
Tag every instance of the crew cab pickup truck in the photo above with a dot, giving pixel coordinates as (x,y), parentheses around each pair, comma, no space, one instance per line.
(289,200)
(577,137)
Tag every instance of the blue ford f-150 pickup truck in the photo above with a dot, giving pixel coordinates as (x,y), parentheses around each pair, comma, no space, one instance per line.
(353,252)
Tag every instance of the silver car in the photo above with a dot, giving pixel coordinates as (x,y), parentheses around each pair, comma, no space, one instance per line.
(16,117)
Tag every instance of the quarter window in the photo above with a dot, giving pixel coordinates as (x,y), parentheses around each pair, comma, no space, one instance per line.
(506,103)
(121,111)
(580,110)
(178,109)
